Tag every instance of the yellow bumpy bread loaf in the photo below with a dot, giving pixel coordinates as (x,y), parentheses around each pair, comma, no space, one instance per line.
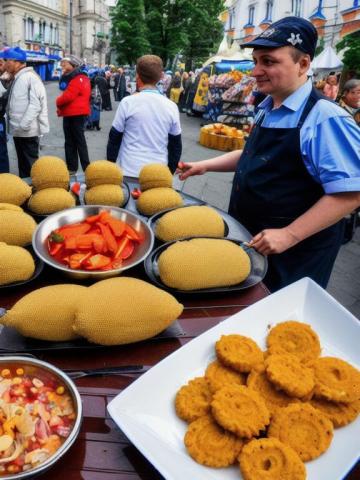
(194,221)
(157,199)
(16,228)
(47,313)
(155,175)
(103,172)
(203,263)
(51,200)
(124,310)
(10,206)
(13,189)
(111,195)
(16,264)
(49,172)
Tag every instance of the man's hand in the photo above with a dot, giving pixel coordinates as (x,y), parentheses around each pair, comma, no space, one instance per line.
(185,170)
(275,240)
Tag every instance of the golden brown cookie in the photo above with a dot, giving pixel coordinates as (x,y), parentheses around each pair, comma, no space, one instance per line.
(336,380)
(339,413)
(296,338)
(270,459)
(218,375)
(209,444)
(308,431)
(274,399)
(240,410)
(193,400)
(287,373)
(239,352)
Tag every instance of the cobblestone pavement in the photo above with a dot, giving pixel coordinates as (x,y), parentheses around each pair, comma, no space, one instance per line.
(213,188)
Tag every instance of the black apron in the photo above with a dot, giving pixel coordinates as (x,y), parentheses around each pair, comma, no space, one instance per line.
(272,188)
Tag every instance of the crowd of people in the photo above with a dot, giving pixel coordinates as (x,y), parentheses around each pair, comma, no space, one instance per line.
(295,180)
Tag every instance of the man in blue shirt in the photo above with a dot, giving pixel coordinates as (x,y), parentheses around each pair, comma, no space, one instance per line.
(299,173)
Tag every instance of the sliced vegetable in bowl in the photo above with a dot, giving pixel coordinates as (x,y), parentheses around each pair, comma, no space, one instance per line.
(40,416)
(100,242)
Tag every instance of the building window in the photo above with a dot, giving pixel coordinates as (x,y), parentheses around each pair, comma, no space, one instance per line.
(29,29)
(232,19)
(269,6)
(251,15)
(51,40)
(296,7)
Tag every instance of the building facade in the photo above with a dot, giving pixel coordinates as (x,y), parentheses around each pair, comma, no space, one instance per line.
(39,25)
(90,29)
(57,27)
(244,19)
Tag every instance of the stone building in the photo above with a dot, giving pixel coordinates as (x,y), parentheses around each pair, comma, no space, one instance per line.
(39,25)
(90,30)
(244,19)
(57,27)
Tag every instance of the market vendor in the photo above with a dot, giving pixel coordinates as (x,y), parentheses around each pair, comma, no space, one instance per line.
(299,173)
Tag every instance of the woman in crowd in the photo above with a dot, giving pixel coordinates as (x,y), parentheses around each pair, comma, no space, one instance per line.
(331,87)
(350,99)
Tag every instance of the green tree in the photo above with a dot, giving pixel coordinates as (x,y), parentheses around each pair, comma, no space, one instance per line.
(204,30)
(351,57)
(129,31)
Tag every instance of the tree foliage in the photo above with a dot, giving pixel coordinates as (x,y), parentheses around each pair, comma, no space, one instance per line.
(351,57)
(169,27)
(129,31)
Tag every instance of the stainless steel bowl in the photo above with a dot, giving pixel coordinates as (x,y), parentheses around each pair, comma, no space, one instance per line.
(33,367)
(78,214)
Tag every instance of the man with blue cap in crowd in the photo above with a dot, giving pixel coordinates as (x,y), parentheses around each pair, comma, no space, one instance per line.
(299,173)
(27,112)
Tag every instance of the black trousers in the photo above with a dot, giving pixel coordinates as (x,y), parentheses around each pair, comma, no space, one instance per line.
(4,158)
(27,150)
(75,142)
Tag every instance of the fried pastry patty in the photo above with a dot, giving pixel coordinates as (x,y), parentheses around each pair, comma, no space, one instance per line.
(270,459)
(336,380)
(289,374)
(239,352)
(296,338)
(308,431)
(193,400)
(240,410)
(210,445)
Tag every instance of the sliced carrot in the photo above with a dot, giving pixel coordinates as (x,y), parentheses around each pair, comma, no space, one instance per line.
(85,242)
(132,233)
(92,218)
(76,229)
(108,237)
(77,259)
(104,216)
(117,226)
(70,243)
(121,246)
(96,262)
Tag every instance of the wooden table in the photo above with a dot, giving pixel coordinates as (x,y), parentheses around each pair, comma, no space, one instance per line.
(101,451)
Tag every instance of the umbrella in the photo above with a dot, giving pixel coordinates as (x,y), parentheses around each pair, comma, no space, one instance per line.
(327,60)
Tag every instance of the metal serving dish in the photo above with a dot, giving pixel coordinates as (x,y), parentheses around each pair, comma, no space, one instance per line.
(33,366)
(78,214)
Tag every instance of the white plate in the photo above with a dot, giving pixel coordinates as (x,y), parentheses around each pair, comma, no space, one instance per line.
(145,410)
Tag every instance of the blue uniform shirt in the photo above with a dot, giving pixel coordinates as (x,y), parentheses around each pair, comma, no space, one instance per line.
(330,139)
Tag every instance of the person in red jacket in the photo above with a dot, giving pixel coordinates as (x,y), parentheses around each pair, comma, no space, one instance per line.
(74,106)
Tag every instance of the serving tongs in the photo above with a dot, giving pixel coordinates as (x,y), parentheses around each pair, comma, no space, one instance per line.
(121,370)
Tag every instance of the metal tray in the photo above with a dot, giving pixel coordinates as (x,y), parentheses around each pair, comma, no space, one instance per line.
(258,271)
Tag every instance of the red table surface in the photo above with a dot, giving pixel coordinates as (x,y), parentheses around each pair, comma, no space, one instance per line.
(102,452)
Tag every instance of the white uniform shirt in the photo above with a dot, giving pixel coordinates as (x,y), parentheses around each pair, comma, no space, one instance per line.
(146,119)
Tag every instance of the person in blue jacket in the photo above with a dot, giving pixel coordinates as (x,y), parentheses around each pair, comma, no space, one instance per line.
(299,173)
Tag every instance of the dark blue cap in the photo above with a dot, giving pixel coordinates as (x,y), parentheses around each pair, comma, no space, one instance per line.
(14,54)
(289,31)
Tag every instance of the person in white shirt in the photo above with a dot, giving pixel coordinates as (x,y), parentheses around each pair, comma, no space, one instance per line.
(146,128)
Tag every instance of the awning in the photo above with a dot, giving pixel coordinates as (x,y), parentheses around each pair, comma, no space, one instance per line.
(34,56)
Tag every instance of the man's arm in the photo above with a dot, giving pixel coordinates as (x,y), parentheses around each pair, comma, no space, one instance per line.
(113,145)
(222,163)
(328,210)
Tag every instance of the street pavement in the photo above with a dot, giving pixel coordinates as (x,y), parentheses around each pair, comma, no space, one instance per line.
(213,188)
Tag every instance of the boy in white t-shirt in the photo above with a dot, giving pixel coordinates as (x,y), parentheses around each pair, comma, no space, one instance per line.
(146,128)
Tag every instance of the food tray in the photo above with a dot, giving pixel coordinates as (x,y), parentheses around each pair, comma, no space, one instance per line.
(258,270)
(13,341)
(147,416)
